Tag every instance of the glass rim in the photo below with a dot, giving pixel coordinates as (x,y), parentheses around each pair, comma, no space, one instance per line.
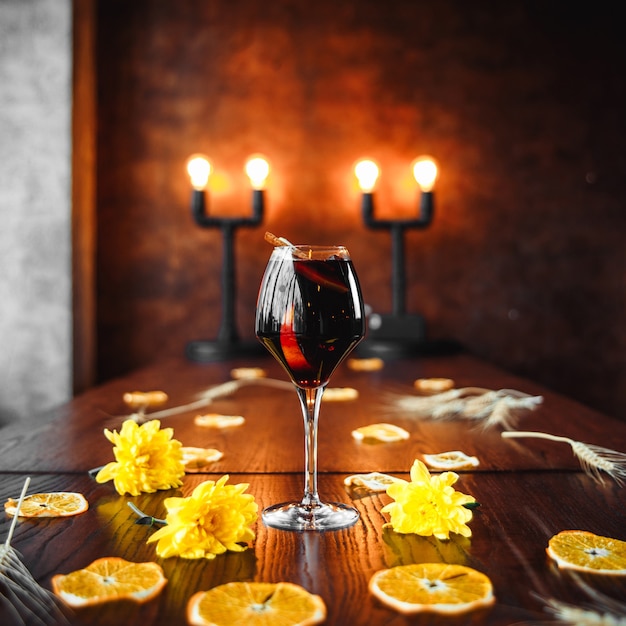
(314,247)
(303,252)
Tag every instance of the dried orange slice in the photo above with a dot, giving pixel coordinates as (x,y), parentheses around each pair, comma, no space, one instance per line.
(144,399)
(339,394)
(215,420)
(380,432)
(198,459)
(365,365)
(433,385)
(55,504)
(246,373)
(374,481)
(432,587)
(587,552)
(451,460)
(108,579)
(256,604)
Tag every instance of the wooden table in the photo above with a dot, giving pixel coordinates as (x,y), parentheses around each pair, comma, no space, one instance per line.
(528,489)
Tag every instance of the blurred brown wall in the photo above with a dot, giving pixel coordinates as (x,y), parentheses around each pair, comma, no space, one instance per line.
(522,106)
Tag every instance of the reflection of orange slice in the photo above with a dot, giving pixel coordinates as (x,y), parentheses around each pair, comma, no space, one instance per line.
(256,604)
(289,344)
(56,504)
(107,579)
(216,420)
(198,459)
(451,460)
(380,432)
(587,552)
(432,587)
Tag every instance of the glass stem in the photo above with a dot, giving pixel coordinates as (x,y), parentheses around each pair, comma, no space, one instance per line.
(310,400)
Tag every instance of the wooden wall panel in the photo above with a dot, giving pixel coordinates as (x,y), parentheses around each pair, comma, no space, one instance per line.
(84,125)
(523,109)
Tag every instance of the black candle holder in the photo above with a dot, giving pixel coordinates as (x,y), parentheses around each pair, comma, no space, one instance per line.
(399,333)
(228,343)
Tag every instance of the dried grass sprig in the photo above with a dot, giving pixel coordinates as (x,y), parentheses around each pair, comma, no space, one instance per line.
(586,616)
(600,610)
(492,407)
(593,459)
(22,599)
(206,397)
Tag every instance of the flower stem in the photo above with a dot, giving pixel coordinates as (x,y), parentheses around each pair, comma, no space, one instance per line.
(94,472)
(146,520)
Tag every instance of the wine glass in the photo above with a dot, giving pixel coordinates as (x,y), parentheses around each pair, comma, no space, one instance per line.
(310,316)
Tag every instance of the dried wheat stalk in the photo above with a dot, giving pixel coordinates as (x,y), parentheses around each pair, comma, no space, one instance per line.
(475,403)
(22,599)
(206,397)
(593,459)
(602,610)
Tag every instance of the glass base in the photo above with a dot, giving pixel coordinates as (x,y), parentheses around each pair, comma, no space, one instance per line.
(298,516)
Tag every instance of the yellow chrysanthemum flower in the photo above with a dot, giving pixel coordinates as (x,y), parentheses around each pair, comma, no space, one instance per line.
(147,459)
(214,519)
(428,505)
